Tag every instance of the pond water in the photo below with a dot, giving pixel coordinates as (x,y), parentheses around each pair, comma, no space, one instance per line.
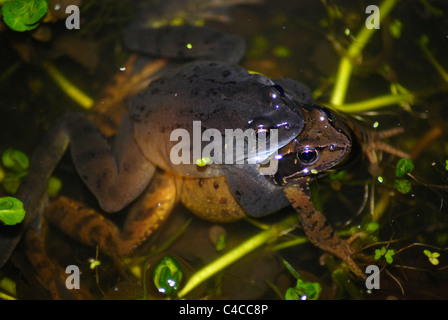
(302,40)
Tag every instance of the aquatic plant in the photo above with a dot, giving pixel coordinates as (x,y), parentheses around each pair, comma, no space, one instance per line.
(23,15)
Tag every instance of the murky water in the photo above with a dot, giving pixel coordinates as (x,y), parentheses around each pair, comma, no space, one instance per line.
(303,40)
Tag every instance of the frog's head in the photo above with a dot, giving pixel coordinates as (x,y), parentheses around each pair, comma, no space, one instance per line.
(324,142)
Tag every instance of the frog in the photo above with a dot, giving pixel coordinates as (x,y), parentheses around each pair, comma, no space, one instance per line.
(211,89)
(325,143)
(219,94)
(329,140)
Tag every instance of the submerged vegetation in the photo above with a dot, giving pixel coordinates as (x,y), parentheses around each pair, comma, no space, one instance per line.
(11,211)
(23,15)
(386,77)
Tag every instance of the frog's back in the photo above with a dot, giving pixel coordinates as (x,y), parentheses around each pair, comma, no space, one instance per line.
(202,91)
(216,93)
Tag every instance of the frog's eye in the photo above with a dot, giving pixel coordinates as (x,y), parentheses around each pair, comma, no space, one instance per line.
(307,155)
(262,133)
(327,113)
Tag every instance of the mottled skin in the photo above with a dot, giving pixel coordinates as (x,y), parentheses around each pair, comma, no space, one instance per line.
(218,93)
(213,199)
(222,96)
(324,142)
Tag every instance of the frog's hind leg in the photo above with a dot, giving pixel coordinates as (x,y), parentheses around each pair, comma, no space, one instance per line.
(115,176)
(149,212)
(90,227)
(186,42)
(51,275)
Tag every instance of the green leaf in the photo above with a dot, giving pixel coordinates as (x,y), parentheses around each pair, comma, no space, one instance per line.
(94,263)
(396,27)
(432,256)
(307,290)
(381,252)
(282,52)
(434,260)
(23,15)
(203,161)
(389,254)
(11,210)
(339,175)
(291,269)
(402,185)
(221,242)
(2,174)
(378,254)
(291,294)
(11,183)
(304,290)
(404,166)
(15,160)
(372,227)
(168,275)
(54,185)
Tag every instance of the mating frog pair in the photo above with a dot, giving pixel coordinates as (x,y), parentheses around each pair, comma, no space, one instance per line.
(221,95)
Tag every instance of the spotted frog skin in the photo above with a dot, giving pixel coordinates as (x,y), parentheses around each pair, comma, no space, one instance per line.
(212,90)
(221,95)
(325,142)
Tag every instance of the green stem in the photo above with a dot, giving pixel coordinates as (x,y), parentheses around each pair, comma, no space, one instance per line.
(376,103)
(290,243)
(7,289)
(246,247)
(68,87)
(10,70)
(5,296)
(354,51)
(380,207)
(423,43)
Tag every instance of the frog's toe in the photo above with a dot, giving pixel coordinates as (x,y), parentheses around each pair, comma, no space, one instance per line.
(346,253)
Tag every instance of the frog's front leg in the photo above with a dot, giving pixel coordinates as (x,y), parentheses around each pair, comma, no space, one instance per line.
(315,225)
(116,176)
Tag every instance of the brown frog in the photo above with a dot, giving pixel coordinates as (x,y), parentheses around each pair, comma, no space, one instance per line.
(324,142)
(211,93)
(221,95)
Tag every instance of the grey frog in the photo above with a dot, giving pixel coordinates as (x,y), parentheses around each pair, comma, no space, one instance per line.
(217,93)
